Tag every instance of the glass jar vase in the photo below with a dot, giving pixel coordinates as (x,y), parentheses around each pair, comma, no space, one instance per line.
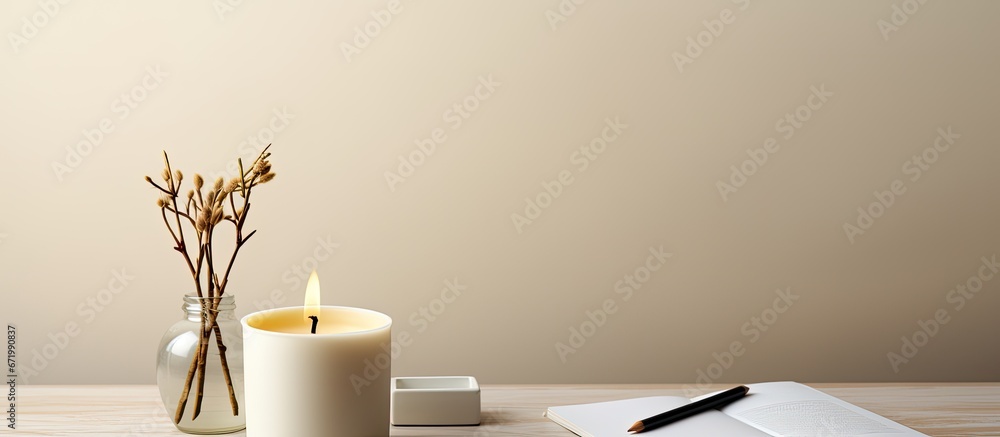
(218,383)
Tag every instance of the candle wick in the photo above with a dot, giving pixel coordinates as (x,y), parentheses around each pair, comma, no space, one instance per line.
(315,321)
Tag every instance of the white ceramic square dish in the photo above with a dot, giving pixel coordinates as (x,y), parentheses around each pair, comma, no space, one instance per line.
(434,400)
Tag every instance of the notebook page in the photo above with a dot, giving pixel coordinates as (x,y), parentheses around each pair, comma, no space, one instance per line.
(795,410)
(612,419)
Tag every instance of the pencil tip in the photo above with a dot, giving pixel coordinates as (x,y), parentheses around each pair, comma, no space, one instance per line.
(637,427)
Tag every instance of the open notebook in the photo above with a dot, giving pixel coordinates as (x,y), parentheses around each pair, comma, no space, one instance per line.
(770,409)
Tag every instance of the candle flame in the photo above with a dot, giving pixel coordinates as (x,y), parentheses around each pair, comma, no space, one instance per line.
(312,296)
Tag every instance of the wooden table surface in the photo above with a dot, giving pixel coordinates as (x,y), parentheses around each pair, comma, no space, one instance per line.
(945,409)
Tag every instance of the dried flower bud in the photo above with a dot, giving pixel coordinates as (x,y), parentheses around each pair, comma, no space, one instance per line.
(190,194)
(205,217)
(159,202)
(259,167)
(210,199)
(178,175)
(198,181)
(266,178)
(217,216)
(166,175)
(200,224)
(239,212)
(149,179)
(218,184)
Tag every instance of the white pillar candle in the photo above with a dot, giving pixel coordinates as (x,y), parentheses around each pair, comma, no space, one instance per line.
(302,384)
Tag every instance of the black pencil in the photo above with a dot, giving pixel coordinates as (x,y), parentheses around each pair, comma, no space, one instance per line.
(691,409)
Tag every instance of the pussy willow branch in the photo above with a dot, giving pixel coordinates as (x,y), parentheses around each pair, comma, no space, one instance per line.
(205,332)
(211,213)
(193,368)
(174,188)
(214,284)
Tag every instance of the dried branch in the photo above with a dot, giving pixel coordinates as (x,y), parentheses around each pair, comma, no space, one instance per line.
(204,211)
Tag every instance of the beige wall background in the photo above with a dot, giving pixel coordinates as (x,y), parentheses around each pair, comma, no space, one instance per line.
(869,87)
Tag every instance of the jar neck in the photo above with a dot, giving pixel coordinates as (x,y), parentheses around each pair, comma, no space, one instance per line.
(194,306)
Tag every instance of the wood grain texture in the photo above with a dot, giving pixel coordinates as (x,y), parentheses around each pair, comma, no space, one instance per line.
(945,409)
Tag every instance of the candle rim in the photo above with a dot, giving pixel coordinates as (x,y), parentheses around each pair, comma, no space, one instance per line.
(388,321)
